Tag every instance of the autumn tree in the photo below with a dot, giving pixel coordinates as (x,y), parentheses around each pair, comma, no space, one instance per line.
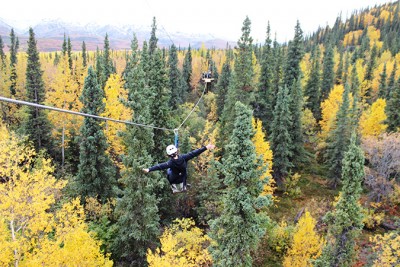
(307,244)
(63,94)
(264,151)
(96,173)
(182,245)
(372,121)
(114,95)
(386,248)
(37,234)
(345,222)
(239,228)
(36,124)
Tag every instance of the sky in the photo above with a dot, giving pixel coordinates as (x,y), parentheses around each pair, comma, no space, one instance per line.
(219,18)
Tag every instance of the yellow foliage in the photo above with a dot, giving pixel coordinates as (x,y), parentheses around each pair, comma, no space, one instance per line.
(374,36)
(384,15)
(182,245)
(387,247)
(351,37)
(263,149)
(114,93)
(307,244)
(371,219)
(28,192)
(6,251)
(373,118)
(329,109)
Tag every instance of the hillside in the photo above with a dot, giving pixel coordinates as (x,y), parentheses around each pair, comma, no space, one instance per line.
(288,156)
(50,35)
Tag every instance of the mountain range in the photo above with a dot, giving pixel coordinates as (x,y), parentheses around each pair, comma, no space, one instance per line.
(50,36)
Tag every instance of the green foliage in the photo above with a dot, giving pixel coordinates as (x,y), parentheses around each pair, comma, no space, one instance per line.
(222,87)
(187,71)
(392,109)
(346,220)
(36,124)
(338,140)
(313,86)
(281,142)
(242,223)
(295,53)
(137,211)
(96,173)
(177,95)
(13,61)
(328,75)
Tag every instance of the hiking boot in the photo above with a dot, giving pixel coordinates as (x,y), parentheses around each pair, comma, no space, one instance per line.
(174,189)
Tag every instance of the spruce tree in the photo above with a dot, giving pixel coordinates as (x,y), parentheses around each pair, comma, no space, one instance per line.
(222,86)
(328,74)
(153,39)
(2,54)
(107,64)
(339,71)
(313,86)
(391,83)
(160,108)
(338,140)
(393,110)
(242,223)
(174,78)
(346,220)
(295,53)
(69,52)
(36,124)
(281,142)
(13,61)
(263,102)
(137,211)
(383,83)
(84,54)
(96,173)
(241,85)
(187,71)
(295,131)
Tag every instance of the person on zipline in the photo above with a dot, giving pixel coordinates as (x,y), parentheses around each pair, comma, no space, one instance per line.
(177,166)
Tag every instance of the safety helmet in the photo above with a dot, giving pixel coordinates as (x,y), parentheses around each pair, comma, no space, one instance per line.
(171,149)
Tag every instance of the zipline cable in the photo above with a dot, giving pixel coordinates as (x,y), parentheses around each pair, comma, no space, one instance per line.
(198,101)
(79,113)
(15,101)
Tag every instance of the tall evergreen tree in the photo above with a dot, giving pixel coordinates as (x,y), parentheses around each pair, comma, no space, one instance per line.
(328,74)
(107,64)
(281,142)
(278,56)
(339,139)
(263,102)
(160,109)
(339,71)
(392,109)
(153,39)
(96,174)
(64,45)
(346,220)
(2,54)
(187,71)
(84,54)
(295,131)
(241,85)
(383,83)
(392,82)
(312,88)
(174,78)
(137,211)
(222,86)
(36,124)
(14,46)
(241,225)
(295,53)
(69,52)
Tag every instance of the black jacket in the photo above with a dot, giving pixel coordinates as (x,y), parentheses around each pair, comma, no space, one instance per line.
(178,166)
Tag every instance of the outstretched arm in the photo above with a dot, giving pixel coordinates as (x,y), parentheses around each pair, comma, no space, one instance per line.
(158,167)
(197,152)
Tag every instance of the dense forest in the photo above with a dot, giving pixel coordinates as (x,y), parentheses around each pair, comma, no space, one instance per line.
(306,169)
